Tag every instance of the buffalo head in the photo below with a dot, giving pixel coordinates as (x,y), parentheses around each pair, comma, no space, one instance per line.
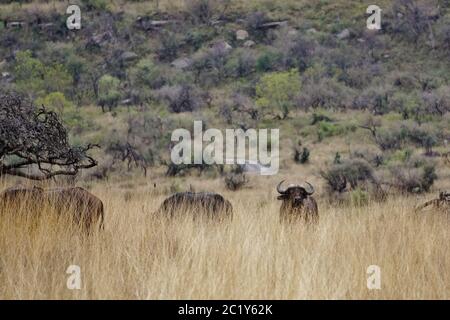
(296,193)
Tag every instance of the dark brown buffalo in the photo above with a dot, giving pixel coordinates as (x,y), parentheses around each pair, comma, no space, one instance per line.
(203,204)
(86,209)
(297,203)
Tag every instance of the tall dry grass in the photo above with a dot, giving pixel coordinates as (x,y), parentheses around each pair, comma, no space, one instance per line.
(139,256)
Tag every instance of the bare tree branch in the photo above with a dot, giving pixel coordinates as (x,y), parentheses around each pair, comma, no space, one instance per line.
(35,138)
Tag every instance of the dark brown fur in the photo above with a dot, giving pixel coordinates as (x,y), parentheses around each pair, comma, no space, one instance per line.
(87,209)
(203,204)
(297,205)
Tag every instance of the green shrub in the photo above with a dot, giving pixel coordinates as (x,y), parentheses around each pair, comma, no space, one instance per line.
(95,4)
(170,43)
(36,79)
(401,156)
(353,172)
(267,61)
(328,129)
(202,11)
(278,90)
(241,64)
(29,73)
(108,91)
(197,37)
(147,74)
(55,101)
(414,177)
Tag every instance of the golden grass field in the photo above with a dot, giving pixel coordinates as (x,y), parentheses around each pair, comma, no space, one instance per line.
(139,256)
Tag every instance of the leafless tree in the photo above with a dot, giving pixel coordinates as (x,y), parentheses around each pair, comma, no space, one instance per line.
(125,152)
(35,138)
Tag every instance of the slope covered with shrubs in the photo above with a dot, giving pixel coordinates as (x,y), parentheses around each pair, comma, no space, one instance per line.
(139,69)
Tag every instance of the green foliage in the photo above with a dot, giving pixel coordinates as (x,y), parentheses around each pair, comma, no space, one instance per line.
(147,74)
(76,65)
(277,91)
(352,172)
(196,37)
(29,72)
(95,4)
(367,73)
(406,104)
(56,78)
(55,101)
(201,11)
(328,129)
(36,79)
(401,156)
(397,136)
(241,64)
(108,91)
(267,61)
(170,43)
(77,121)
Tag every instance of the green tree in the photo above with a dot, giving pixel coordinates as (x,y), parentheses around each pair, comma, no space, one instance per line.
(36,80)
(29,73)
(56,78)
(278,90)
(55,101)
(108,92)
(147,74)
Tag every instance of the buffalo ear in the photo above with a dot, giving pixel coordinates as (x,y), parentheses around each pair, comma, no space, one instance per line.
(282,197)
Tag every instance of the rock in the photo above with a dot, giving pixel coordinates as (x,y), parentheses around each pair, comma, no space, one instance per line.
(15,24)
(344,34)
(272,25)
(221,46)
(160,23)
(48,25)
(128,56)
(181,63)
(147,24)
(249,43)
(241,35)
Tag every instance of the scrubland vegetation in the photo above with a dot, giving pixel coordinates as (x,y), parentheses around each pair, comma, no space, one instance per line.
(363,115)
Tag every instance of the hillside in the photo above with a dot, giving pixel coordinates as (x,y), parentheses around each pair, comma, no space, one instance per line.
(137,70)
(363,116)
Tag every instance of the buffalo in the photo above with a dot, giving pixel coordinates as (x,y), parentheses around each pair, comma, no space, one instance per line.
(297,203)
(87,210)
(202,204)
(440,204)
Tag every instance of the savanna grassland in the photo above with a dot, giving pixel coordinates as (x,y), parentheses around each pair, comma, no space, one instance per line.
(140,256)
(364,115)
